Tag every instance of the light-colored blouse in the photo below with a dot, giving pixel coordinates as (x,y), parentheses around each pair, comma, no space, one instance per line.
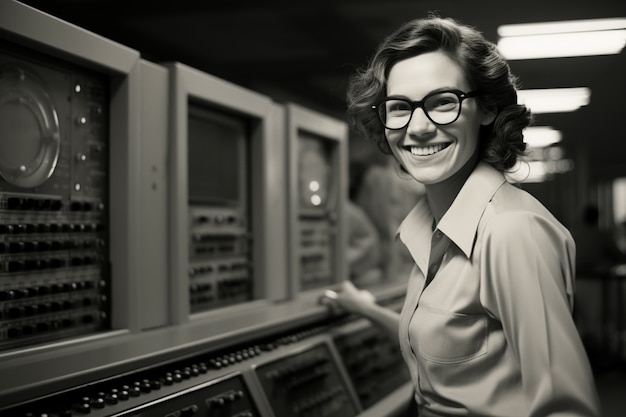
(492,334)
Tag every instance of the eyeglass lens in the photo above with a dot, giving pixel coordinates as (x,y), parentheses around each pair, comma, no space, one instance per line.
(441,108)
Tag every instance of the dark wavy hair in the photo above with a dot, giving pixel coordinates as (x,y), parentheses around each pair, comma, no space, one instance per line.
(501,142)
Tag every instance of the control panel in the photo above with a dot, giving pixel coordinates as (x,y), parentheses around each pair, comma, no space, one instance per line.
(307,383)
(219,271)
(54,241)
(220,227)
(317,215)
(340,368)
(318,172)
(317,236)
(224,397)
(373,362)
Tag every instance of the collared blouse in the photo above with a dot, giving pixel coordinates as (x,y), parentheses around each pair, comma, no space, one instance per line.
(492,333)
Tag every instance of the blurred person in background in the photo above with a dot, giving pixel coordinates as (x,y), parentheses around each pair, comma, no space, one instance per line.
(386,195)
(364,257)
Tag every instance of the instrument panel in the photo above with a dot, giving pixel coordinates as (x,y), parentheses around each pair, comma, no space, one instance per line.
(224,397)
(54,242)
(318,163)
(307,383)
(300,373)
(220,248)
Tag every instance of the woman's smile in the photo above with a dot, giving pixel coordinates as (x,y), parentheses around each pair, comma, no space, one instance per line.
(427,150)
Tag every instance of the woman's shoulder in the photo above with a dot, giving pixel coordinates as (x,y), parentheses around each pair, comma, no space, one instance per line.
(514,210)
(510,198)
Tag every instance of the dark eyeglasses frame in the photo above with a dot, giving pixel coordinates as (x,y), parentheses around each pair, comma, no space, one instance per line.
(420,104)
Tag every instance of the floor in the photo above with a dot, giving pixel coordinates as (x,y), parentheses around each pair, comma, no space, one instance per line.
(611,384)
(601,302)
(610,376)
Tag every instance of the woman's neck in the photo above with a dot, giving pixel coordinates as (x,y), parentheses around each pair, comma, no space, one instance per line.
(441,195)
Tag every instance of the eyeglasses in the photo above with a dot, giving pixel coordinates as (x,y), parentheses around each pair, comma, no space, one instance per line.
(441,108)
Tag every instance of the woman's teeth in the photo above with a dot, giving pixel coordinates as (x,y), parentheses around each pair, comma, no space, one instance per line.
(428,150)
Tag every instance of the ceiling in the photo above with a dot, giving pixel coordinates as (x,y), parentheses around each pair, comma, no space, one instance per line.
(306,51)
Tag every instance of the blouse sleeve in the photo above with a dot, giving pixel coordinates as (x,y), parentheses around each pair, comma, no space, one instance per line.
(527,284)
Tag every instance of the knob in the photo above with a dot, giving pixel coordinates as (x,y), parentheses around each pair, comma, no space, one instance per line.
(217,401)
(98,403)
(83,407)
(7,295)
(124,394)
(189,411)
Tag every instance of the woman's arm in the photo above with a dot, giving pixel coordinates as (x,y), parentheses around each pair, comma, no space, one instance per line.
(527,284)
(362,303)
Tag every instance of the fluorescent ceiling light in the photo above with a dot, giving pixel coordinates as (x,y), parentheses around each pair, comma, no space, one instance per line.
(564,26)
(554,100)
(562,39)
(541,136)
(563,45)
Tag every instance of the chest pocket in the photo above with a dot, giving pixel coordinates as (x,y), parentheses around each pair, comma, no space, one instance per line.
(445,337)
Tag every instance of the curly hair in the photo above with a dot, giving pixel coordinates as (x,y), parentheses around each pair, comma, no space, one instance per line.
(501,142)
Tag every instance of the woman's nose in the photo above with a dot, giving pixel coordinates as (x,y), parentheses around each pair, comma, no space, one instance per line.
(420,124)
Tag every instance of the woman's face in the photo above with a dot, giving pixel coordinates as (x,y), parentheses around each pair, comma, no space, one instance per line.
(429,152)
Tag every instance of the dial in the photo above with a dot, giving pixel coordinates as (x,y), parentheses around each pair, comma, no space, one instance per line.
(29,129)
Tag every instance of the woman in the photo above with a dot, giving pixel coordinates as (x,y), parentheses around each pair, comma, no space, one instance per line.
(486,327)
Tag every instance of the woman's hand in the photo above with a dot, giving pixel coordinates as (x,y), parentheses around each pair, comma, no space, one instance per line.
(348,298)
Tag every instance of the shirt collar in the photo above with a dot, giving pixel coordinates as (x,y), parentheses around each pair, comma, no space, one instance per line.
(460,221)
(417,225)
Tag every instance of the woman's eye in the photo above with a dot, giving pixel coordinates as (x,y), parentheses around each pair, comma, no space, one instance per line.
(398,107)
(443,102)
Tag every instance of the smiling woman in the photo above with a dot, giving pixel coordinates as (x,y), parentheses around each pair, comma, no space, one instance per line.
(486,328)
(434,143)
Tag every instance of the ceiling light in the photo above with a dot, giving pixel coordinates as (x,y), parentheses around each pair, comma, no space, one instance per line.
(562,39)
(563,26)
(554,100)
(541,136)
